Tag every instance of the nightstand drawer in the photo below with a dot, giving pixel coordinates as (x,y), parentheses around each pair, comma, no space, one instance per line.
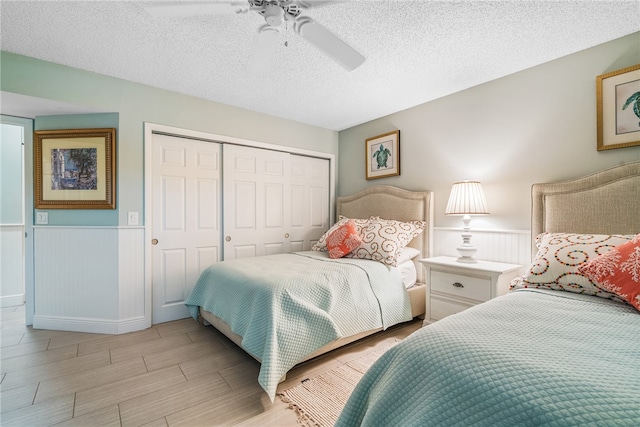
(442,307)
(461,286)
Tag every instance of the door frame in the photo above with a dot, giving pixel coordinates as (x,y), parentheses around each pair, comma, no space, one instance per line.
(154,128)
(27,211)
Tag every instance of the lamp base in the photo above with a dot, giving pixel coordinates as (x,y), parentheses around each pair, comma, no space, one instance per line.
(466,250)
(466,254)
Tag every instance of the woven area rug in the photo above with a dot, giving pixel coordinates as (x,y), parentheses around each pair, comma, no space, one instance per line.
(318,401)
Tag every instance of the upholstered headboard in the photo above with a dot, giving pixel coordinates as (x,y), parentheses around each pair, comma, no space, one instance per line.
(394,203)
(607,202)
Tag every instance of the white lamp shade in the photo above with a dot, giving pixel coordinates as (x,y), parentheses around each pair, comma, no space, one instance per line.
(466,198)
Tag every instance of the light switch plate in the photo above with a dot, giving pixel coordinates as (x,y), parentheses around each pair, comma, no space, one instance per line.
(132,218)
(42,217)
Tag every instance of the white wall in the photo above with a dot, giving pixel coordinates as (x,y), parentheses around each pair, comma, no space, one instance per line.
(538,125)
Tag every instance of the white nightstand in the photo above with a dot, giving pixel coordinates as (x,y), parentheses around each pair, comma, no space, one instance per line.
(454,286)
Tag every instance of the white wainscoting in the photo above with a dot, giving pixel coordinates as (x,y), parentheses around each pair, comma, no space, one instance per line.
(511,246)
(89,279)
(134,314)
(11,265)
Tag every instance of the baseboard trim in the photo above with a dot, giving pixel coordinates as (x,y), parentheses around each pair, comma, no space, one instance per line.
(11,300)
(95,326)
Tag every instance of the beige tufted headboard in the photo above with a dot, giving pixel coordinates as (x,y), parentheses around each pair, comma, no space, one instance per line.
(394,203)
(607,202)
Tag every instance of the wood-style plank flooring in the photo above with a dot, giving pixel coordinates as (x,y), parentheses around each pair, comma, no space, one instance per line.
(174,374)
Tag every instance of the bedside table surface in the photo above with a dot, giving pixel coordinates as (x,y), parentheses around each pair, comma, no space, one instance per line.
(498,267)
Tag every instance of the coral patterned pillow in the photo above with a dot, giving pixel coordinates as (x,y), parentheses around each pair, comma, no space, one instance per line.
(321,244)
(618,271)
(343,240)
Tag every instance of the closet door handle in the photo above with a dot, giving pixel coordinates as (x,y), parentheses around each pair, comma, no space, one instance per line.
(154,242)
(228,238)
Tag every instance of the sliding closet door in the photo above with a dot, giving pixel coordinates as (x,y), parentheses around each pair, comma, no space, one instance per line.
(256,202)
(186,219)
(309,201)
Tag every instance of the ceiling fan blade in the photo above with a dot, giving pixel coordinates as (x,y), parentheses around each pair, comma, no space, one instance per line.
(312,4)
(264,48)
(328,43)
(187,9)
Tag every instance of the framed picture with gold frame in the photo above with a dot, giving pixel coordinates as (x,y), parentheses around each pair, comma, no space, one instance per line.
(618,108)
(382,154)
(75,169)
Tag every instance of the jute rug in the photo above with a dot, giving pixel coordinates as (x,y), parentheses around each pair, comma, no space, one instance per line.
(318,401)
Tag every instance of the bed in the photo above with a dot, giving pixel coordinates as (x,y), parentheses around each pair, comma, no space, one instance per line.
(260,304)
(556,350)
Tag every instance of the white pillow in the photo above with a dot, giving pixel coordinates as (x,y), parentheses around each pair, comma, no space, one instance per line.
(407,254)
(408,273)
(383,239)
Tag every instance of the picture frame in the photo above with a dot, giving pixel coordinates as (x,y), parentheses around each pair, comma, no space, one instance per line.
(75,169)
(618,108)
(382,155)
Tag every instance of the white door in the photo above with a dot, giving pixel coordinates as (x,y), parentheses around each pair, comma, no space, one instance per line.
(186,220)
(12,218)
(309,201)
(256,201)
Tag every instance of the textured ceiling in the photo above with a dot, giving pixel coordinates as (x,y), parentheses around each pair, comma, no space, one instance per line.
(416,51)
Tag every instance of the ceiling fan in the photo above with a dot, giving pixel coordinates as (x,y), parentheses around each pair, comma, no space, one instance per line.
(276,14)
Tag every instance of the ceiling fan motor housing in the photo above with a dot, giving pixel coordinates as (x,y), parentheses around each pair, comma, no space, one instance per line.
(275,12)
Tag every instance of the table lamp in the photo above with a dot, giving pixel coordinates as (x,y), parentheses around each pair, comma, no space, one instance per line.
(466,198)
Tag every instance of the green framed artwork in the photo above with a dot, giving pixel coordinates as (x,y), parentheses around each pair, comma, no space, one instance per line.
(618,108)
(382,154)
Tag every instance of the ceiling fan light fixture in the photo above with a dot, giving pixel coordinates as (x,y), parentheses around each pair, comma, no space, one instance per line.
(274,15)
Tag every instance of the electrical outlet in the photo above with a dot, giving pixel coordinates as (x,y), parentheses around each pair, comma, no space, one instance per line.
(132,218)
(42,217)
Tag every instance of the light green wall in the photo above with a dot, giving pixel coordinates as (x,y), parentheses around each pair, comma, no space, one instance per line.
(136,104)
(538,125)
(81,121)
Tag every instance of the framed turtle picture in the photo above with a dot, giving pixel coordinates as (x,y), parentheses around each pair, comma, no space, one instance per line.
(383,155)
(618,108)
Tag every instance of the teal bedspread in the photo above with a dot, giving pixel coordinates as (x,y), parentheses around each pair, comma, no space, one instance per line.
(287,306)
(529,358)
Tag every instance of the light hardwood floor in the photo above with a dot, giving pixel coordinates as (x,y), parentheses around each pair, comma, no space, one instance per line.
(174,374)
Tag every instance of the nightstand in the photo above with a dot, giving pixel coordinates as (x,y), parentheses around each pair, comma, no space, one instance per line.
(454,286)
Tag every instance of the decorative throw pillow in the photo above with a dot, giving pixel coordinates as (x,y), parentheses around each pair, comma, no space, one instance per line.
(383,240)
(343,240)
(618,271)
(321,244)
(559,257)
